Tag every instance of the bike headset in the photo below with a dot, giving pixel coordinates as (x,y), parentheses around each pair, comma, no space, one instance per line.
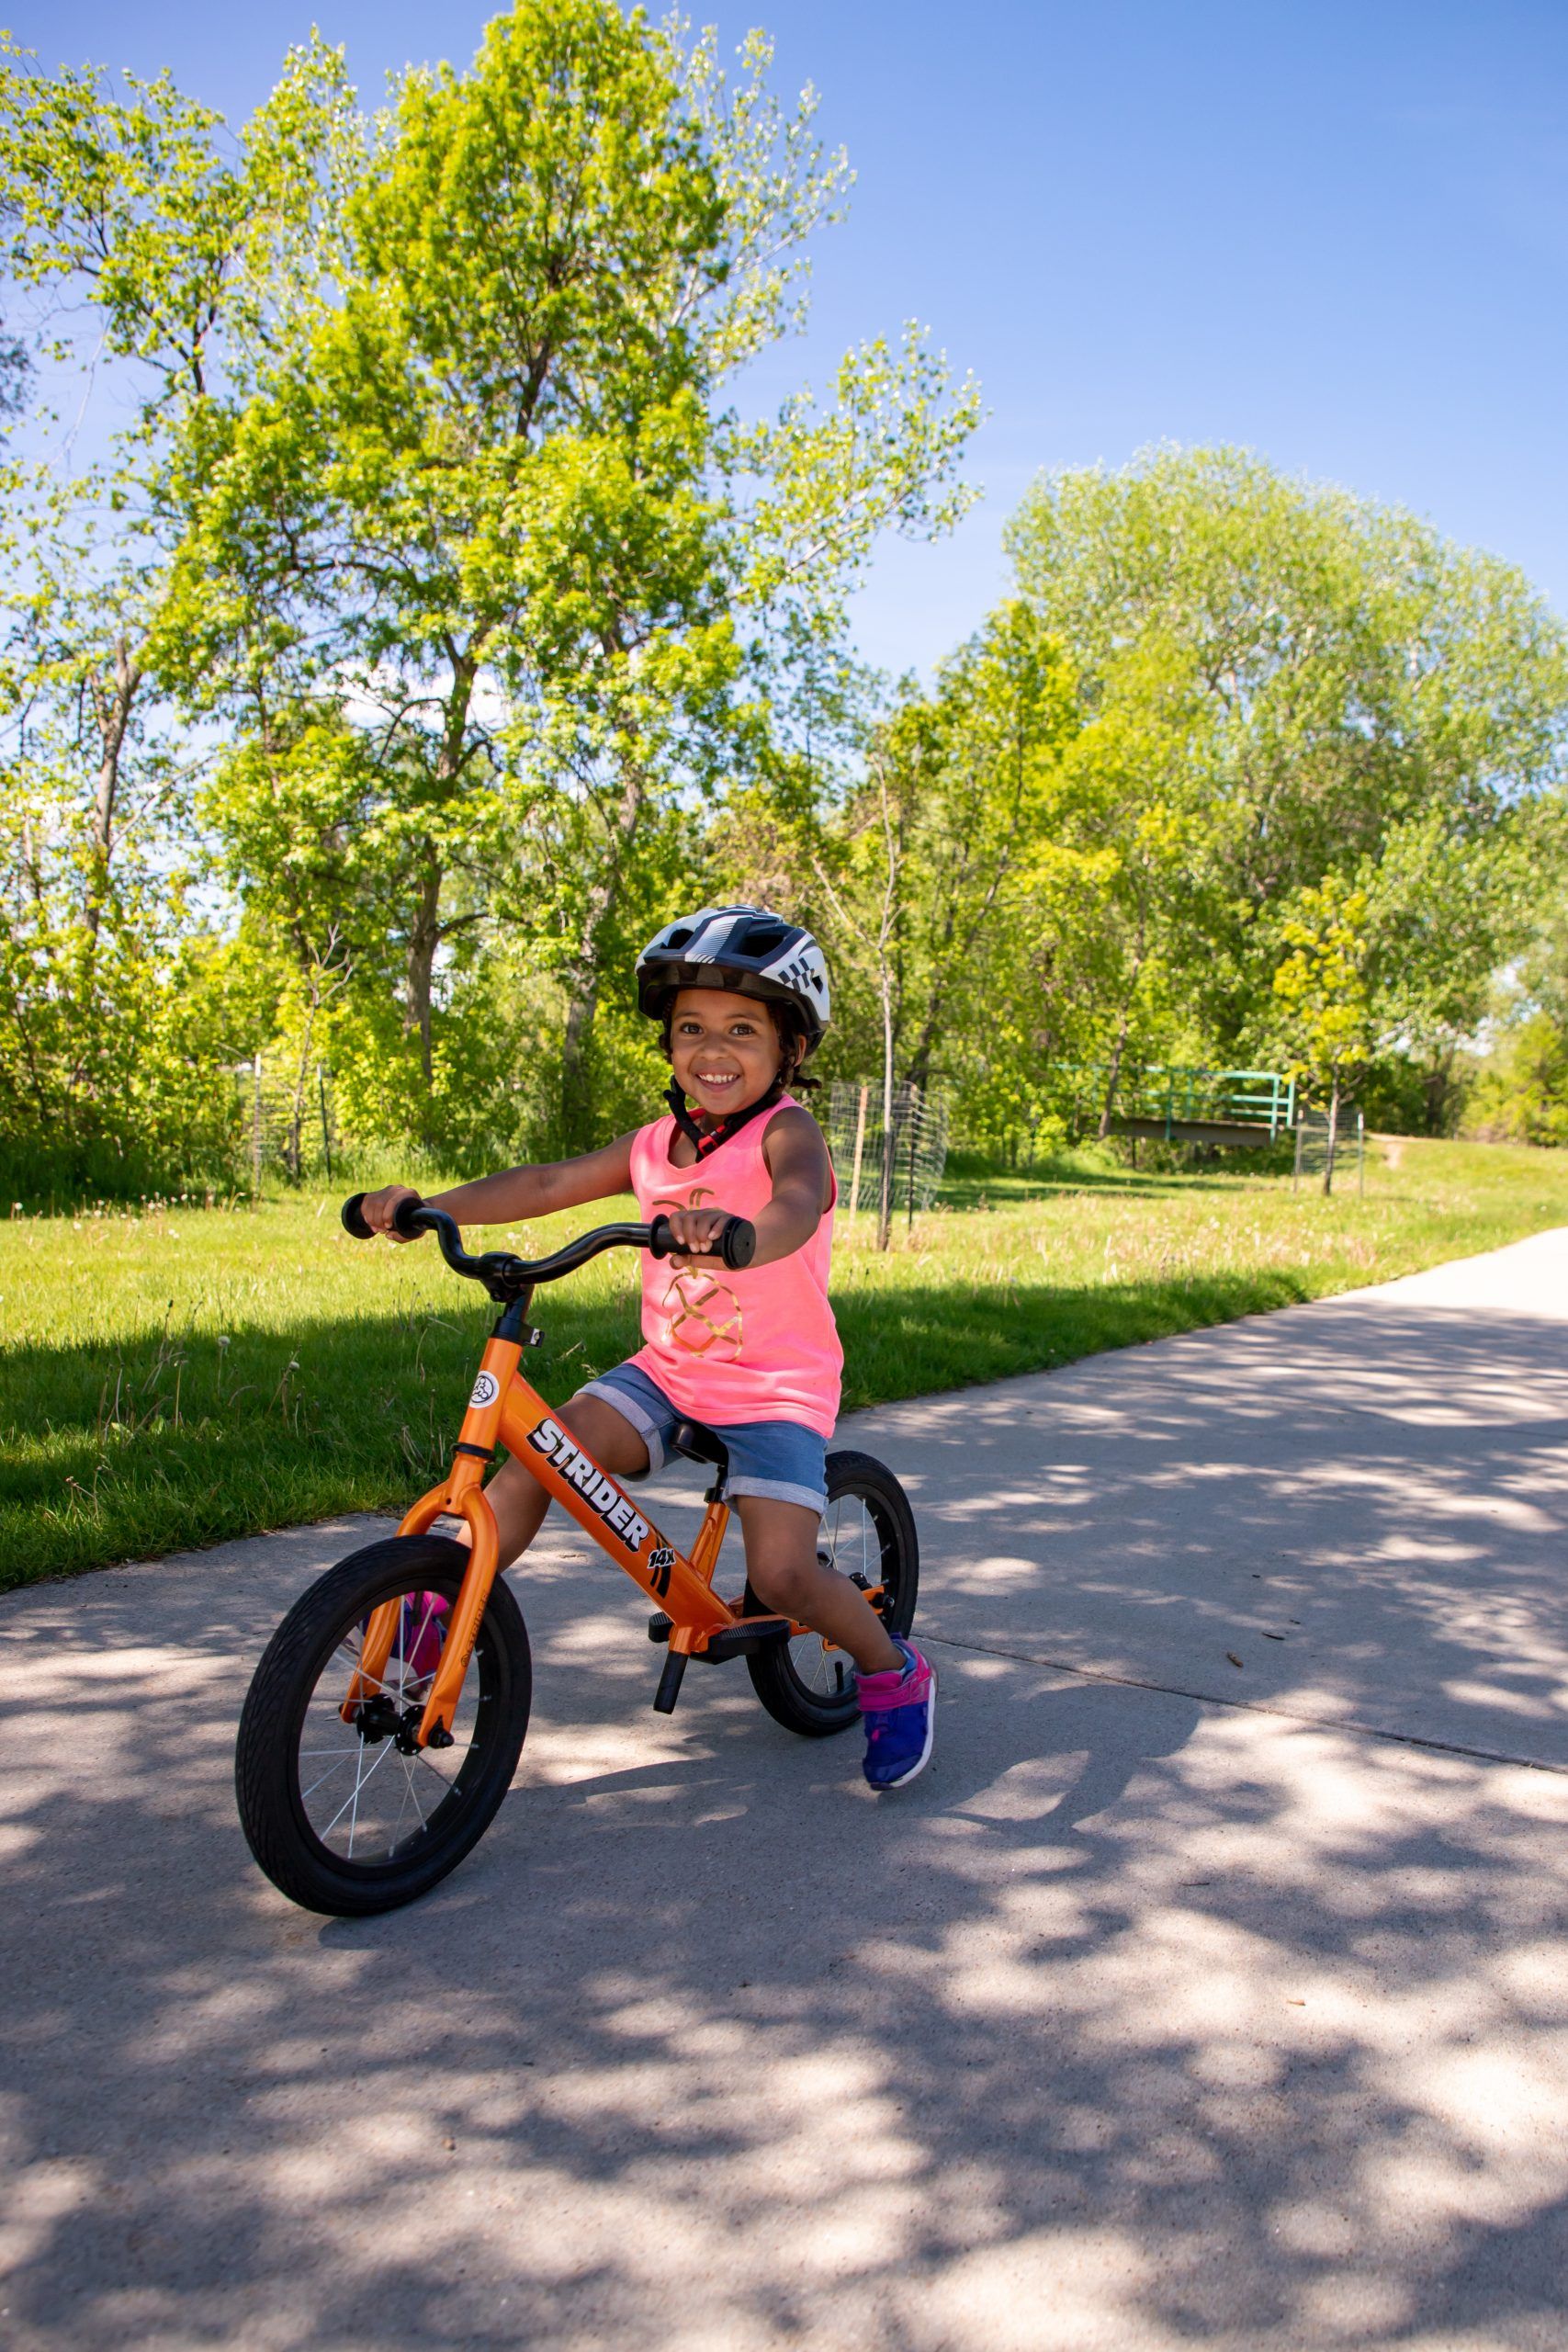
(750,952)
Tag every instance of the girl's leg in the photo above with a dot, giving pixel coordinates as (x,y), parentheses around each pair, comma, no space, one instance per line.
(787,1577)
(520,1502)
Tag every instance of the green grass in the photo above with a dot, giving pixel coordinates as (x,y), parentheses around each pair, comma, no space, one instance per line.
(170,1378)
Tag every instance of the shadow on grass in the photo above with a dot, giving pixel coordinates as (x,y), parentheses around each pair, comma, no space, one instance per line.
(137,1449)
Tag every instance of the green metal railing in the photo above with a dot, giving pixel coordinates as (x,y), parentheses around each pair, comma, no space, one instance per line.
(1261,1099)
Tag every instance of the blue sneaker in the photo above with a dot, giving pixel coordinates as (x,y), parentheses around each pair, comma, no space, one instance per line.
(899,1707)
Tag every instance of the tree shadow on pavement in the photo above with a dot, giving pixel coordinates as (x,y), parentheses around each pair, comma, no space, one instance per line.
(1133,2022)
(1358,1512)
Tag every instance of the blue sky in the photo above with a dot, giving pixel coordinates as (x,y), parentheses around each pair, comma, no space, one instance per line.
(1336,233)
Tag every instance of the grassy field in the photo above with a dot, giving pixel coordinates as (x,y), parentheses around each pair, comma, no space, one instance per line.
(174,1377)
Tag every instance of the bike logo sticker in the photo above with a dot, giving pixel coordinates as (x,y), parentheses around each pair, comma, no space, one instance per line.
(487,1388)
(550,1440)
(660,1560)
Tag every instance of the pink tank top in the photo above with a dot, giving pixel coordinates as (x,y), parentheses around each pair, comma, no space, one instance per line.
(758,1345)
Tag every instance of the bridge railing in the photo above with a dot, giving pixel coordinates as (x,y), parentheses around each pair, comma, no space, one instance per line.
(1182,1095)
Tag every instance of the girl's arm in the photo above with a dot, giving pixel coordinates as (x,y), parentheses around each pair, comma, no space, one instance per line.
(797,1157)
(517,1193)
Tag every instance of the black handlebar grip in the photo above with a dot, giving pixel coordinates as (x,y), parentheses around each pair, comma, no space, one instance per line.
(403,1217)
(738,1243)
(353,1218)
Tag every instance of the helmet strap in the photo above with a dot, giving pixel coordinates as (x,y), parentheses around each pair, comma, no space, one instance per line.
(705,1141)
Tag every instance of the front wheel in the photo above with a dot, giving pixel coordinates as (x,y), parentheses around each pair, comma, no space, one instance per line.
(355,1818)
(868,1534)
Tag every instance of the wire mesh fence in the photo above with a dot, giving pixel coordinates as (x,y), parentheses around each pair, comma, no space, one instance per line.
(287,1115)
(1320,1158)
(890,1166)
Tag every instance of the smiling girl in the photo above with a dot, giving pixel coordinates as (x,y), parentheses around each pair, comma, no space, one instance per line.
(741,996)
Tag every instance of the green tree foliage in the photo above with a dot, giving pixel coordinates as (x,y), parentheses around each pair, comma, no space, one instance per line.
(1325,1001)
(1319,684)
(433,620)
(1520,1094)
(462,552)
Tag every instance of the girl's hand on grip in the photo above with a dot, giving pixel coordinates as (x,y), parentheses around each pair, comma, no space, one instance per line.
(696,1233)
(379,1208)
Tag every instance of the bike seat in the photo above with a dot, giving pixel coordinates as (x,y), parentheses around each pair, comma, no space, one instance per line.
(699,1444)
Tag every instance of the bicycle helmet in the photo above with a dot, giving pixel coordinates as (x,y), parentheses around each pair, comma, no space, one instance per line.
(746,949)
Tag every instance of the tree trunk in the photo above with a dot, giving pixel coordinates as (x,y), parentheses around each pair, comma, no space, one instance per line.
(112,708)
(885,1206)
(297,1112)
(424,937)
(1108,1108)
(581,1010)
(1435,1085)
(426,931)
(583,975)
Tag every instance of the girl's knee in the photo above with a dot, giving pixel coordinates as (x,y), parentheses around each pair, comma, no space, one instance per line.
(781,1585)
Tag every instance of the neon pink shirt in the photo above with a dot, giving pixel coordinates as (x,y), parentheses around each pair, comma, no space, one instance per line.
(757,1345)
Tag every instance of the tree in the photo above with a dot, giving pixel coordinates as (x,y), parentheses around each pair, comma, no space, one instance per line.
(866,898)
(429,414)
(99,853)
(1350,689)
(487,486)
(121,1018)
(1322,990)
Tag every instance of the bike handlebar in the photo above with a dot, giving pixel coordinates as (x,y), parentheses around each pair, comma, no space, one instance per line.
(736,1245)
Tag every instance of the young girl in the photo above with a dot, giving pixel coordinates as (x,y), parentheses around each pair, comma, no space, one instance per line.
(742,1000)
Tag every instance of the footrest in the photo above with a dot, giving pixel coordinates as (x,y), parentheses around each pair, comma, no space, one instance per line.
(659,1627)
(743,1639)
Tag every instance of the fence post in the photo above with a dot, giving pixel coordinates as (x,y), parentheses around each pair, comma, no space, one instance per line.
(257,1129)
(1296,1171)
(326,1131)
(914,1132)
(860,1147)
(1361,1154)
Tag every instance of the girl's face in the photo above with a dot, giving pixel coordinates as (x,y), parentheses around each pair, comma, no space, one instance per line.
(724,1049)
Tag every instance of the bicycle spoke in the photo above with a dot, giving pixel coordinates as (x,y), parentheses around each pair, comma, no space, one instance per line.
(403,1808)
(361,1819)
(361,1781)
(346,1755)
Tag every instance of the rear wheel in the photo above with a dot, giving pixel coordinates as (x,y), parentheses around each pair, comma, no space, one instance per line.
(868,1535)
(355,1818)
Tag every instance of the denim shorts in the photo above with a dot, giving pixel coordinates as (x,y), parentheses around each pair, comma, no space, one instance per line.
(782,1459)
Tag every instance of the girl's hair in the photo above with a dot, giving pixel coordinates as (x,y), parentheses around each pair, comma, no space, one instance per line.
(788,1027)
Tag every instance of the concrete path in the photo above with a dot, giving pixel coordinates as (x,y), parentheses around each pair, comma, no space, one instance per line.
(1211,1987)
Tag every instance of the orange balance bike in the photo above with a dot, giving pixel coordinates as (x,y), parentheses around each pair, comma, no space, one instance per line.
(386,1719)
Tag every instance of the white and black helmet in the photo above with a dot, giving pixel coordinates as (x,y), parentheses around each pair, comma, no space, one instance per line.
(746,949)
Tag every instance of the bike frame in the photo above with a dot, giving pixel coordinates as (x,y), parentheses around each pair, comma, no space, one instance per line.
(505,1409)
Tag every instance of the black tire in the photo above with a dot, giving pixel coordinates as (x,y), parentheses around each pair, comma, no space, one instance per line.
(868,1534)
(300,1683)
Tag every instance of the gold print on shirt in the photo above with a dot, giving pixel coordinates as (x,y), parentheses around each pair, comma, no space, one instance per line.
(701,1316)
(665,1201)
(704,1317)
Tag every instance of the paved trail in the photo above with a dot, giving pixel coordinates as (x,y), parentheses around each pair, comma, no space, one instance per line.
(1212,1988)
